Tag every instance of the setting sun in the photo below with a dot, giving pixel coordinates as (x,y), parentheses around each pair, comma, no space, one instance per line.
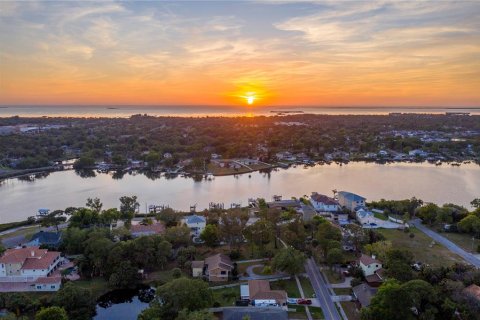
(250,99)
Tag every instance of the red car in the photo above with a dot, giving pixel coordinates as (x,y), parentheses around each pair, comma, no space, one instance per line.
(304,301)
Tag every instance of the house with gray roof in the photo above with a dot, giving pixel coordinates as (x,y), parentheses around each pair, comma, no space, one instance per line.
(195,223)
(350,200)
(45,238)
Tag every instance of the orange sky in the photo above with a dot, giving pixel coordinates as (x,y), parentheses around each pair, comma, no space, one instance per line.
(322,53)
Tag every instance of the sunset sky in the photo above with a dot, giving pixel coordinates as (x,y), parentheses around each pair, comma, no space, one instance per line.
(326,53)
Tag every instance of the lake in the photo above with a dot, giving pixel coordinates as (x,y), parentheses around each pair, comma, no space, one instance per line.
(123,304)
(20,198)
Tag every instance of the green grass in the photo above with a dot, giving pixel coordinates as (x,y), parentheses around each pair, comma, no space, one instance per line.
(332,276)
(288,285)
(463,240)
(350,310)
(97,286)
(380,216)
(297,313)
(26,232)
(307,287)
(419,245)
(162,276)
(227,296)
(317,313)
(342,291)
(242,267)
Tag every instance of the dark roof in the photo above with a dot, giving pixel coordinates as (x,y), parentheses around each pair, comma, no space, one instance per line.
(45,237)
(255,313)
(323,199)
(364,293)
(351,196)
(366,260)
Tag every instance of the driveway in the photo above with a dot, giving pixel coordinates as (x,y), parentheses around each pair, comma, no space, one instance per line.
(470,258)
(253,276)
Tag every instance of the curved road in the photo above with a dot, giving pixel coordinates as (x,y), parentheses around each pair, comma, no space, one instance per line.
(470,258)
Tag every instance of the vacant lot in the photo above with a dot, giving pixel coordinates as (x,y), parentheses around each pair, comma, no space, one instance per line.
(463,240)
(420,246)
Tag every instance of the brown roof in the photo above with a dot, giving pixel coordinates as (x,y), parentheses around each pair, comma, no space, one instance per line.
(155,228)
(19,255)
(324,199)
(219,261)
(198,264)
(47,280)
(366,260)
(260,290)
(373,278)
(473,290)
(41,263)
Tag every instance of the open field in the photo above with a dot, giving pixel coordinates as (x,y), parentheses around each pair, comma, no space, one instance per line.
(462,240)
(350,310)
(419,245)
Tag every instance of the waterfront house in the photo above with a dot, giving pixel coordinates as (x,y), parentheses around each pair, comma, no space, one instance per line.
(216,268)
(323,203)
(350,200)
(418,153)
(285,204)
(364,216)
(139,230)
(45,238)
(196,224)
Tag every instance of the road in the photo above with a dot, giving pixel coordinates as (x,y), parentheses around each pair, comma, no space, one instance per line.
(447,243)
(321,291)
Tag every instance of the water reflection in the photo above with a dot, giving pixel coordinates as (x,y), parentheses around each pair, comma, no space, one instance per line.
(124,304)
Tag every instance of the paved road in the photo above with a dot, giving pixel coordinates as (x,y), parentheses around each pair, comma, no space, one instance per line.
(319,286)
(447,243)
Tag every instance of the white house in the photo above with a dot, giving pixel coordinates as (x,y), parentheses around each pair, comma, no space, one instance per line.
(196,224)
(322,203)
(364,216)
(369,265)
(418,153)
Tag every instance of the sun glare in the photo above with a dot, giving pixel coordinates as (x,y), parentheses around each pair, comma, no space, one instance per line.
(250,99)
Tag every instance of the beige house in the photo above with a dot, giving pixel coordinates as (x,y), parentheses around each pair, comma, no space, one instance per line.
(260,294)
(216,268)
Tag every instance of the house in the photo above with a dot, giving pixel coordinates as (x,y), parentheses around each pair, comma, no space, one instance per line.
(216,268)
(323,203)
(418,153)
(31,266)
(364,216)
(363,294)
(284,204)
(196,224)
(260,294)
(45,238)
(197,268)
(350,200)
(139,230)
(253,313)
(372,269)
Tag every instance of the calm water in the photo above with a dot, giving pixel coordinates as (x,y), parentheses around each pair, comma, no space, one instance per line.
(123,304)
(126,111)
(440,184)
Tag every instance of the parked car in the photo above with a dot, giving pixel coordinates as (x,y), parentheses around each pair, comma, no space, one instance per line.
(304,301)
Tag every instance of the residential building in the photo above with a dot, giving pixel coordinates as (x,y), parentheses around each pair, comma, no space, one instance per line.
(284,204)
(196,224)
(323,203)
(139,230)
(215,268)
(253,313)
(350,200)
(363,294)
(45,238)
(418,153)
(260,294)
(372,269)
(31,266)
(364,216)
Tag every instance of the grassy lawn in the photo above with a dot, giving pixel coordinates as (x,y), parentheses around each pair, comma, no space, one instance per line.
(296,312)
(242,267)
(380,216)
(162,276)
(332,276)
(419,245)
(26,232)
(350,310)
(342,291)
(288,285)
(97,286)
(307,287)
(462,240)
(227,296)
(317,313)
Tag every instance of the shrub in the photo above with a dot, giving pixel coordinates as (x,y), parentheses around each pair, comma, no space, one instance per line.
(176,273)
(267,270)
(412,235)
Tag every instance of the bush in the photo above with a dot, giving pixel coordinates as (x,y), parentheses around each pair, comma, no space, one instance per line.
(267,270)
(176,273)
(406,230)
(216,304)
(234,255)
(412,235)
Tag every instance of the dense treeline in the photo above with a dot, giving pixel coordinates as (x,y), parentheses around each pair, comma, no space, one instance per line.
(148,138)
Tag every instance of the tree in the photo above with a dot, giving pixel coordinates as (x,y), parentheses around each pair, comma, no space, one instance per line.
(78,302)
(125,276)
(259,234)
(153,159)
(470,224)
(177,295)
(53,219)
(128,206)
(85,161)
(289,260)
(107,217)
(168,216)
(51,313)
(210,235)
(390,302)
(397,262)
(232,224)
(428,213)
(378,249)
(475,203)
(94,204)
(195,315)
(178,236)
(334,256)
(84,218)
